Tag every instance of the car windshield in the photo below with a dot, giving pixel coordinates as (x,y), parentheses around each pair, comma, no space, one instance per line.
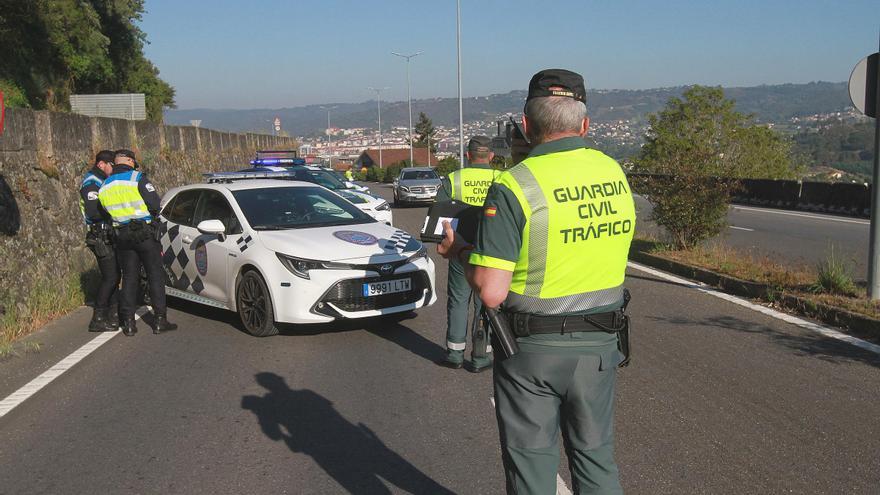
(418,175)
(278,208)
(322,178)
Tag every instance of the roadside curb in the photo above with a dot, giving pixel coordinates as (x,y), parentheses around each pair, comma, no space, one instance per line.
(853,323)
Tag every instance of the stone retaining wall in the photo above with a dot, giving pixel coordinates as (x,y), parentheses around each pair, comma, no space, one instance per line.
(43,156)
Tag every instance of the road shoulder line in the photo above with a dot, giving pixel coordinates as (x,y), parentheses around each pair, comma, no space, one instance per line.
(808,325)
(32,387)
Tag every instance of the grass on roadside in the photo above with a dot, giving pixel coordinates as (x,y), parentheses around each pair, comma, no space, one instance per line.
(830,282)
(46,302)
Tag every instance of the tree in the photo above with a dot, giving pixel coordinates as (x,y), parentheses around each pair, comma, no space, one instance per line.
(424,129)
(54,48)
(693,150)
(447,165)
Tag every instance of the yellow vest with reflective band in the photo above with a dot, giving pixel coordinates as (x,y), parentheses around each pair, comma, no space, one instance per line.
(470,185)
(580,220)
(119,195)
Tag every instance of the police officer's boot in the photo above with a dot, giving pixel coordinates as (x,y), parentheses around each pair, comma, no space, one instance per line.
(101,321)
(128,327)
(162,324)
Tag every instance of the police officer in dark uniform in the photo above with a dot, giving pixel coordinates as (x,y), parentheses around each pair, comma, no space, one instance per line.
(99,242)
(551,252)
(133,204)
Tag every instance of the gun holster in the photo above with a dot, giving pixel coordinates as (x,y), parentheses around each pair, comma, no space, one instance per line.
(98,239)
(501,335)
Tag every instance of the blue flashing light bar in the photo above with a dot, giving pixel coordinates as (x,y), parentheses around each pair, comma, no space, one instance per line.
(278,161)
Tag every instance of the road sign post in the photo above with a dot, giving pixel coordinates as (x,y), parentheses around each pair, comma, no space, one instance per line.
(864,91)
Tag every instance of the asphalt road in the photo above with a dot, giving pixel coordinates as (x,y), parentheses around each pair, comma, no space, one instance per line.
(719,399)
(790,237)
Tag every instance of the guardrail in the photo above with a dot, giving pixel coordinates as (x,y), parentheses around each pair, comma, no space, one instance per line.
(839,197)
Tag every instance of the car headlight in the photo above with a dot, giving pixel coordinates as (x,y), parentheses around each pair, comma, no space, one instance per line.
(298,266)
(383,207)
(404,188)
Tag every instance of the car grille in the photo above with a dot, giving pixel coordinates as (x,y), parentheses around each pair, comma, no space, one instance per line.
(422,189)
(348,295)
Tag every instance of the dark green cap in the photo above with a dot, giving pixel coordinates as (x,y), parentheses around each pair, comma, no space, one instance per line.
(480,144)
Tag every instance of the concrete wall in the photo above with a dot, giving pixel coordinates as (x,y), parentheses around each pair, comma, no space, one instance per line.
(43,156)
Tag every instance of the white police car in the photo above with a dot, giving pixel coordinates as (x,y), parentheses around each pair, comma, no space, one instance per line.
(374,206)
(287,251)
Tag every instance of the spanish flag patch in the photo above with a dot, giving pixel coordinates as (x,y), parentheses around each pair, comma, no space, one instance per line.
(490,211)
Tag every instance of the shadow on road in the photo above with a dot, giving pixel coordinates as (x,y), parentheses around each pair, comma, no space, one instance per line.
(824,348)
(407,338)
(352,454)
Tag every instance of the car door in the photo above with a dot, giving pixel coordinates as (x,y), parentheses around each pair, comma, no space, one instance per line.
(211,252)
(178,227)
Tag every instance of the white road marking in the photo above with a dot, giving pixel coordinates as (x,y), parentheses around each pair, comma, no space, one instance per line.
(561,488)
(37,384)
(804,215)
(741,228)
(815,327)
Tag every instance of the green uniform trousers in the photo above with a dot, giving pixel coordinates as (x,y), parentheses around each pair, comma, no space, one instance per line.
(543,389)
(458,292)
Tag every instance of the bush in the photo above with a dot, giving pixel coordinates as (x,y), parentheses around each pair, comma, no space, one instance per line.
(690,208)
(393,171)
(447,165)
(375,174)
(834,276)
(13,96)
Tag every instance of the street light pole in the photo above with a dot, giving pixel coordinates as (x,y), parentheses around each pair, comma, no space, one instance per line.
(460,105)
(379,109)
(409,101)
(329,141)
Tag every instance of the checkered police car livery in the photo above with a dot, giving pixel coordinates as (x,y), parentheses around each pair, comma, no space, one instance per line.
(282,251)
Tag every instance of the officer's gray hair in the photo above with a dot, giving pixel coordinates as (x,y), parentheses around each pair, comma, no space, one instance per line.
(550,115)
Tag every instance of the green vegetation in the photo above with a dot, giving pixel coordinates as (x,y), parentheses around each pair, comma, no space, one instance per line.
(693,147)
(447,165)
(425,131)
(847,147)
(781,279)
(47,301)
(834,276)
(54,48)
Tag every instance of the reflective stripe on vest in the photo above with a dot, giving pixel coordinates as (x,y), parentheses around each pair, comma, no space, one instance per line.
(476,185)
(121,198)
(89,179)
(580,218)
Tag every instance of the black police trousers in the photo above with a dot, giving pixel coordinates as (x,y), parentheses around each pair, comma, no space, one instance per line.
(132,255)
(108,267)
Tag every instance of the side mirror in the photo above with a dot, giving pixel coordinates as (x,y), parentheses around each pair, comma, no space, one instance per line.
(212,227)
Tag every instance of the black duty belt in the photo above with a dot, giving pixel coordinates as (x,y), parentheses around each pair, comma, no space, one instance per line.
(524,324)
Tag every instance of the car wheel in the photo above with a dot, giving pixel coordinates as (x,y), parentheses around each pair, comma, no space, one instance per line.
(254,305)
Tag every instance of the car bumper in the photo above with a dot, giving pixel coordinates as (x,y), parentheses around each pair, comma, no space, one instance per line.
(330,295)
(409,197)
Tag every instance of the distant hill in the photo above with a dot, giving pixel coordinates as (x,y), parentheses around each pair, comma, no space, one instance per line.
(774,103)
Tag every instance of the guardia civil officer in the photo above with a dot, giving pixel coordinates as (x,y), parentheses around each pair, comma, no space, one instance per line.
(468,185)
(98,240)
(133,204)
(551,251)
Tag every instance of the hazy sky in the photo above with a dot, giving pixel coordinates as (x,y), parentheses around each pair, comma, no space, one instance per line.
(284,53)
